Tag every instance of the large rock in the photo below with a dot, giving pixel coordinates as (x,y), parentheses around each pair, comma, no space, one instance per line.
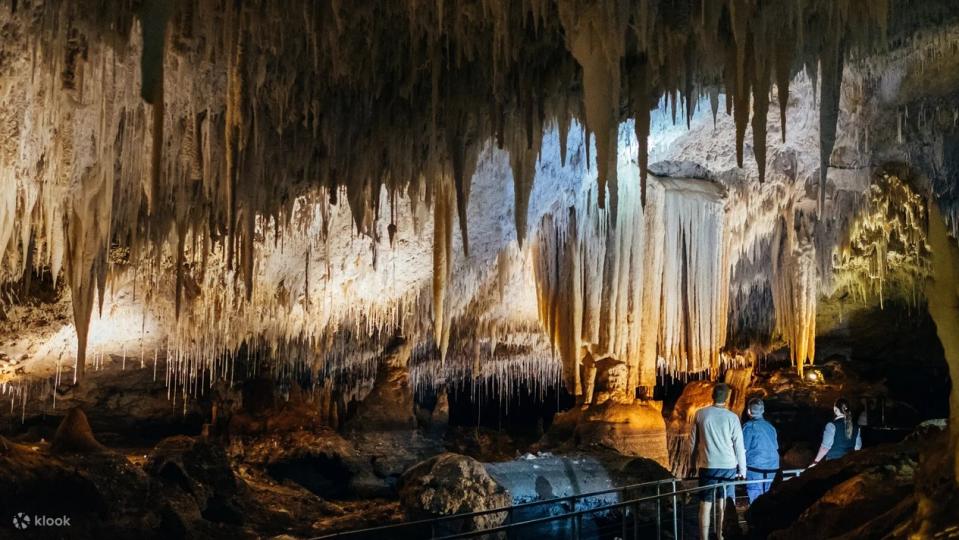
(632,429)
(452,484)
(838,497)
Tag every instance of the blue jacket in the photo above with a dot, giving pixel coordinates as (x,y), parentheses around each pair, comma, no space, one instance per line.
(762,446)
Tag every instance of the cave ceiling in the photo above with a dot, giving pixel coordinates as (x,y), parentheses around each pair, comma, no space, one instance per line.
(311,178)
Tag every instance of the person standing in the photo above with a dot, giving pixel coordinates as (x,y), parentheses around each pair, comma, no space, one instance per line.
(840,436)
(719,454)
(762,450)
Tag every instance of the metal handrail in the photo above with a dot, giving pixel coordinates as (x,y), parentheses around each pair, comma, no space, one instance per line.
(580,513)
(467,515)
(432,522)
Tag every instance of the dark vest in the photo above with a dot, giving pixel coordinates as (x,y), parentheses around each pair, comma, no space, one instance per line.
(841,444)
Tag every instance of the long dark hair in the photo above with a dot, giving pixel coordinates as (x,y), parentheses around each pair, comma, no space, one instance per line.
(843,405)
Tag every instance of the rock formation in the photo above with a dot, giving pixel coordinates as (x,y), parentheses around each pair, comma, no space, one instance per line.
(453,484)
(74,434)
(294,242)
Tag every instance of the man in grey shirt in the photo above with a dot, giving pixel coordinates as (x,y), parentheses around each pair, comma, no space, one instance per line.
(718,451)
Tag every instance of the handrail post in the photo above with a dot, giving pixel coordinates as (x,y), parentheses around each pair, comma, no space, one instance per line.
(675,514)
(659,518)
(715,512)
(624,522)
(577,523)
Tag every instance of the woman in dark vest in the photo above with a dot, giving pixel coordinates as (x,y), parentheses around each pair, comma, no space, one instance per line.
(841,436)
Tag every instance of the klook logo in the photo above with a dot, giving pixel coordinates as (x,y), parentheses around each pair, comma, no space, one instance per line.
(23,521)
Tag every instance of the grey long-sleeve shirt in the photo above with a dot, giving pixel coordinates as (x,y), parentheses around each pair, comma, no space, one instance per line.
(717,439)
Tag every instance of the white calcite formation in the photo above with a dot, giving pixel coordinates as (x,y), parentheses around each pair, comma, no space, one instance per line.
(309,179)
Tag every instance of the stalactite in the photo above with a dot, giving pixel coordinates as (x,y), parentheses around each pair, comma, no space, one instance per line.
(885,254)
(443,205)
(464,164)
(596,38)
(559,292)
(761,70)
(783,69)
(795,288)
(241,120)
(832,67)
(523,163)
(153,23)
(649,286)
(639,86)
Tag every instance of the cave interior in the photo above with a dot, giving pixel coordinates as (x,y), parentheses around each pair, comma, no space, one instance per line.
(283,269)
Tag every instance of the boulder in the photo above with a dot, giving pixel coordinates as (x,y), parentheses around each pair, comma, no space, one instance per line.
(837,497)
(452,484)
(632,429)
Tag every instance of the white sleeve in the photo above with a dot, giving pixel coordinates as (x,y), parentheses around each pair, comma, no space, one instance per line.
(858,439)
(828,434)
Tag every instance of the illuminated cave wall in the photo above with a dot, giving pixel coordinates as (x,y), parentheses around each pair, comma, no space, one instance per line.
(189,171)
